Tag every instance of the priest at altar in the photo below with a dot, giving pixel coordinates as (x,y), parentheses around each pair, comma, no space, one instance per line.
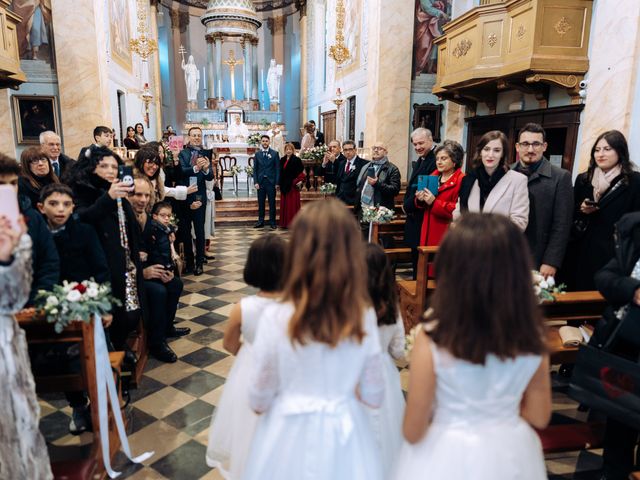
(238,132)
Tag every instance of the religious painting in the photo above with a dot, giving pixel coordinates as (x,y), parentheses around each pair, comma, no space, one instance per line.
(35,32)
(428,115)
(34,114)
(431,15)
(352,28)
(119,32)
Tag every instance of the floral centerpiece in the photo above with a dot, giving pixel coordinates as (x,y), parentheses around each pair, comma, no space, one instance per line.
(546,288)
(235,170)
(328,189)
(314,154)
(254,139)
(248,170)
(377,214)
(73,301)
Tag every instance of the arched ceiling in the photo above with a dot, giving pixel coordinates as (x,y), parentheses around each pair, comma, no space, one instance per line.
(261,5)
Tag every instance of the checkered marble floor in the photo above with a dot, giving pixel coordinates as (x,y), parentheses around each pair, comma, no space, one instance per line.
(171,410)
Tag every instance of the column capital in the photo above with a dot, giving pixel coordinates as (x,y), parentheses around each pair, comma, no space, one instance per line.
(277,24)
(179,20)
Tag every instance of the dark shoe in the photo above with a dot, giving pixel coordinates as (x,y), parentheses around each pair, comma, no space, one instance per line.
(204,261)
(273,227)
(163,353)
(80,420)
(198,270)
(178,332)
(259,225)
(209,257)
(187,270)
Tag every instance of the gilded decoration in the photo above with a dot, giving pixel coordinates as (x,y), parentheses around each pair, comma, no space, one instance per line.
(562,27)
(492,39)
(462,48)
(521,32)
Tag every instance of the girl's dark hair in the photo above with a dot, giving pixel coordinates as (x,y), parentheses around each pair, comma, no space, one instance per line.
(484,301)
(265,263)
(29,155)
(147,152)
(486,138)
(453,149)
(83,170)
(382,285)
(618,142)
(131,128)
(135,128)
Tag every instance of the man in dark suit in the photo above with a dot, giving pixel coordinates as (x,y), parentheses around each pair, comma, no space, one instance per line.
(319,136)
(423,145)
(51,147)
(332,161)
(550,200)
(347,174)
(266,174)
(195,162)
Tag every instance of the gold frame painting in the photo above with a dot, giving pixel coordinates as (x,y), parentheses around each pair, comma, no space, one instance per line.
(120,33)
(34,114)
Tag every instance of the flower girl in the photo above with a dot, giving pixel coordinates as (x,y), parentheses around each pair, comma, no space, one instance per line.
(234,421)
(387,420)
(318,359)
(479,380)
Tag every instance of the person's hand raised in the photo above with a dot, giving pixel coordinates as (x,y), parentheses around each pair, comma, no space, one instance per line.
(119,189)
(10,237)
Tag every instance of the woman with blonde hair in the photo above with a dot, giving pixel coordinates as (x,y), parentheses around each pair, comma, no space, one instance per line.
(308,140)
(318,359)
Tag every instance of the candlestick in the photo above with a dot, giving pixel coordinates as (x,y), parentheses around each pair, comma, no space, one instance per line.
(204,78)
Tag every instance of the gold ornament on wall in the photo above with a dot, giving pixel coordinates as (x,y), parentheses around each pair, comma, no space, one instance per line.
(562,27)
(142,45)
(492,39)
(339,51)
(521,31)
(462,48)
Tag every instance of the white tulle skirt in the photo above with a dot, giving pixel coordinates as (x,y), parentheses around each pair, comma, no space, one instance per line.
(490,451)
(233,423)
(386,421)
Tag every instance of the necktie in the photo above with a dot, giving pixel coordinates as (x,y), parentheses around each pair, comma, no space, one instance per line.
(56,168)
(348,167)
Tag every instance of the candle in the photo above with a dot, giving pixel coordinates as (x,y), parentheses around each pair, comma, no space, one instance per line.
(204,78)
(262,79)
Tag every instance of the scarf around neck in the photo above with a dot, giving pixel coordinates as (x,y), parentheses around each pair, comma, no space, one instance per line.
(487,182)
(601,181)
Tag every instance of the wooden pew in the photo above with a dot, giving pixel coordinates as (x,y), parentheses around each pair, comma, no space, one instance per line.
(413,294)
(38,331)
(571,437)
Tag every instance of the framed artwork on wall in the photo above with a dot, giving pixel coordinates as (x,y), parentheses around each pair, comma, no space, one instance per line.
(428,115)
(34,114)
(120,33)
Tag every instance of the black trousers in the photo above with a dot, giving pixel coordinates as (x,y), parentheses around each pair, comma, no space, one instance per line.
(267,189)
(196,218)
(183,235)
(162,299)
(619,458)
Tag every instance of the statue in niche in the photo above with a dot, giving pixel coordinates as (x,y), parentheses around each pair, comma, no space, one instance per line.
(191,78)
(273,81)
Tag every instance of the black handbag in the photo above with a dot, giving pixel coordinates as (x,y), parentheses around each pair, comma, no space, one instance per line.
(608,382)
(217,192)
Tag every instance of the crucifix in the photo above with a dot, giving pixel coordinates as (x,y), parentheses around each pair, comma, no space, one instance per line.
(231,62)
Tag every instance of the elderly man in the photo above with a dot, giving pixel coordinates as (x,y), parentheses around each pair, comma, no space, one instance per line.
(331,162)
(379,180)
(423,145)
(51,147)
(348,171)
(550,199)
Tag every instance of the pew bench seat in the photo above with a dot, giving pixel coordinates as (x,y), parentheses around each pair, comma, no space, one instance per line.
(571,437)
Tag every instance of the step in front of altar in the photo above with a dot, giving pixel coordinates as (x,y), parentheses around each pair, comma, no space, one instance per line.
(244,211)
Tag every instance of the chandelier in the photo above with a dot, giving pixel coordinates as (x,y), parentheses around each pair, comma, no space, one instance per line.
(339,51)
(143,45)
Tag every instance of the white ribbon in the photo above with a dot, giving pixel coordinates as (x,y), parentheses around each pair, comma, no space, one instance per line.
(106,385)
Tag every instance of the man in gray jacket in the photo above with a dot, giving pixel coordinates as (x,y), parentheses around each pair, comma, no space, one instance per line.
(550,199)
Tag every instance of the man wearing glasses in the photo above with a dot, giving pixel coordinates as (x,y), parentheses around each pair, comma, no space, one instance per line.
(550,199)
(348,171)
(378,181)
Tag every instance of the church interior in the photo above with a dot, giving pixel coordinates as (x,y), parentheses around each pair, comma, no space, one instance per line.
(366,71)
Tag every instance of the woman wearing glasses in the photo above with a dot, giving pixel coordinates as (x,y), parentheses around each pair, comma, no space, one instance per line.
(607,190)
(36,174)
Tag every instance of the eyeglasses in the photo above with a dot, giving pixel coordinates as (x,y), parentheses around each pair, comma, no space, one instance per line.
(348,149)
(378,148)
(38,160)
(526,145)
(152,160)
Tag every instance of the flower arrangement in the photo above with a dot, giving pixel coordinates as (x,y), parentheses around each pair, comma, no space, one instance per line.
(315,154)
(73,301)
(378,214)
(235,170)
(328,189)
(248,170)
(254,139)
(546,288)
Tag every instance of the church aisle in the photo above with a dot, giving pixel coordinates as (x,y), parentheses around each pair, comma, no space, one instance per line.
(171,410)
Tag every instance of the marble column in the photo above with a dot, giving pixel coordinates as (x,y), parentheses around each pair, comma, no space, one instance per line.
(217,42)
(82,67)
(613,68)
(254,70)
(246,69)
(304,77)
(388,107)
(211,72)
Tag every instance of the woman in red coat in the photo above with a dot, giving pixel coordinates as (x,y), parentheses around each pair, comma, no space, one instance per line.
(438,210)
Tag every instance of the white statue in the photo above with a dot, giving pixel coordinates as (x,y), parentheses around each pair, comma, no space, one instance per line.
(191,78)
(277,139)
(273,81)
(238,132)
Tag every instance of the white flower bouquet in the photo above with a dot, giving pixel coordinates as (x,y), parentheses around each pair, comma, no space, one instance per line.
(73,301)
(546,288)
(377,214)
(235,170)
(315,154)
(248,170)
(254,139)
(328,189)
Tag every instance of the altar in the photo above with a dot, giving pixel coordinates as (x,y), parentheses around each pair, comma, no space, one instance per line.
(242,152)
